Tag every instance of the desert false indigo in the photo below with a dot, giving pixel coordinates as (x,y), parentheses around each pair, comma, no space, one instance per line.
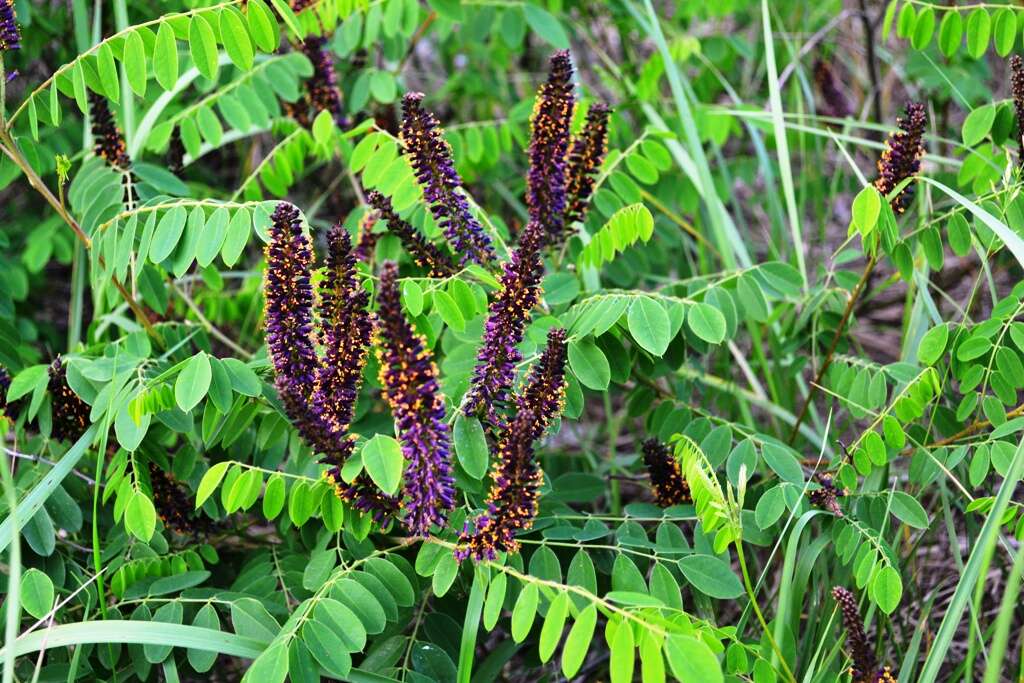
(425,254)
(367,237)
(70,414)
(322,91)
(431,159)
(173,503)
(408,376)
(549,146)
(901,158)
(107,138)
(176,153)
(585,158)
(1017,92)
(506,321)
(827,496)
(5,384)
(834,101)
(864,667)
(667,481)
(543,393)
(10,35)
(512,500)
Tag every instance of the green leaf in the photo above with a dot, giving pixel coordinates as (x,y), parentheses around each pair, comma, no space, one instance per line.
(1005,31)
(284,11)
(193,382)
(140,516)
(237,236)
(524,612)
(235,38)
(262,25)
(707,322)
(36,593)
(471,445)
(202,45)
(323,127)
(924,28)
(382,459)
(951,33)
(107,70)
(134,60)
(589,364)
(270,667)
(908,510)
(546,26)
(578,641)
(165,56)
(622,660)
(784,462)
(168,234)
(208,484)
(274,497)
(867,206)
(412,297)
(711,576)
(887,589)
(978,124)
(28,380)
(649,324)
(449,311)
(979,27)
(691,659)
(933,345)
(551,632)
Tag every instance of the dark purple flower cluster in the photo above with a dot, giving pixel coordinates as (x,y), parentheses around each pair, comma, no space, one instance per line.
(367,237)
(107,138)
(902,156)
(408,376)
(516,477)
(70,414)
(319,395)
(431,158)
(585,158)
(322,93)
(173,504)
(667,480)
(834,101)
(176,153)
(5,384)
(1017,92)
(865,666)
(506,321)
(425,254)
(10,36)
(827,497)
(549,146)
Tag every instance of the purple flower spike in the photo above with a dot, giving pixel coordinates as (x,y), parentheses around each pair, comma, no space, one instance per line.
(543,394)
(901,158)
(549,145)
(322,90)
(431,158)
(506,320)
(70,413)
(585,159)
(512,501)
(425,254)
(10,36)
(107,138)
(409,377)
(667,480)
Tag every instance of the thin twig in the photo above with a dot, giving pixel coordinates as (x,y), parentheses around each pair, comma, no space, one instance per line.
(38,458)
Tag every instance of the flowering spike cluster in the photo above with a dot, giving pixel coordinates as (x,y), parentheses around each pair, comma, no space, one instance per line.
(516,478)
(176,153)
(408,376)
(667,481)
(322,90)
(512,501)
(107,138)
(367,237)
(431,158)
(834,101)
(10,36)
(172,503)
(70,413)
(585,158)
(1017,92)
(549,145)
(902,156)
(425,254)
(319,394)
(506,321)
(865,666)
(827,496)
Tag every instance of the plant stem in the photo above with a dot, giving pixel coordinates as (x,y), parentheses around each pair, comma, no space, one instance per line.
(757,610)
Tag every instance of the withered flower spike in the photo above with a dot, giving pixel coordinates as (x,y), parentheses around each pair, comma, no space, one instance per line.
(10,35)
(865,666)
(827,496)
(901,158)
(431,159)
(173,503)
(506,321)
(107,138)
(549,146)
(585,158)
(70,414)
(322,90)
(408,376)
(667,480)
(425,254)
(512,501)
(834,101)
(1017,92)
(176,153)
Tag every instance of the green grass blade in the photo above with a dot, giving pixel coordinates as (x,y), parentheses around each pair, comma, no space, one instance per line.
(471,625)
